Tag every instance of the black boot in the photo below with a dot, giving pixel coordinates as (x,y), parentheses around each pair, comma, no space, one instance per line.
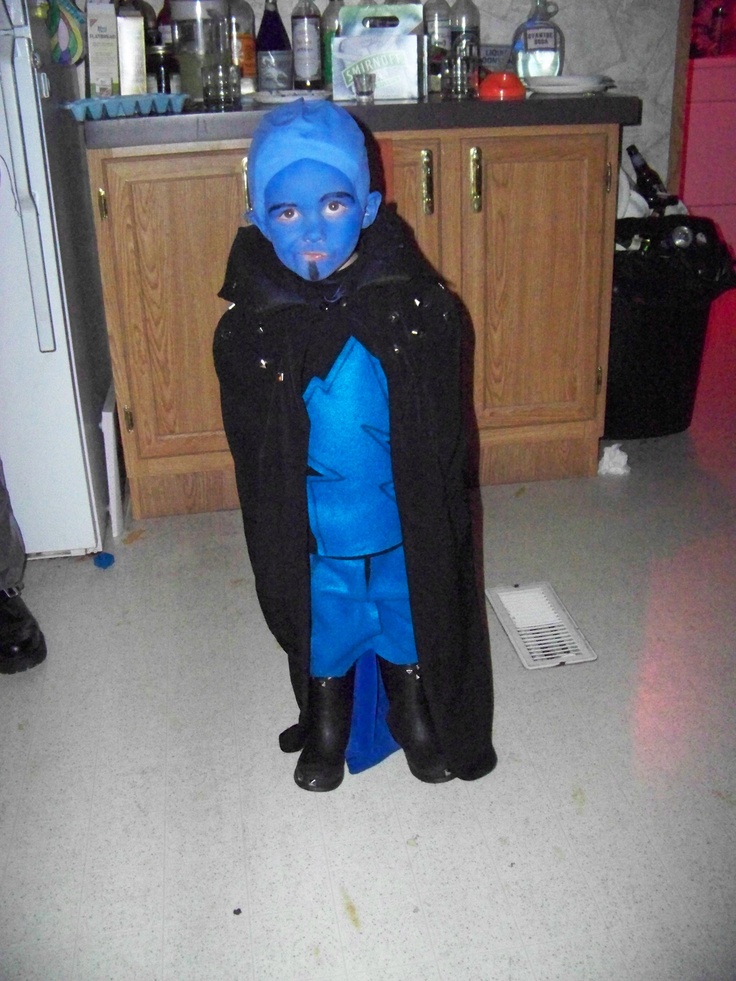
(410,723)
(22,645)
(321,765)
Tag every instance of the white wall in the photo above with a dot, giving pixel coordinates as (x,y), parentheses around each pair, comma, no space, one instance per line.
(633,41)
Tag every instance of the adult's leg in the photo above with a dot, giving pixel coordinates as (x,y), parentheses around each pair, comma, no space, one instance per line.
(22,645)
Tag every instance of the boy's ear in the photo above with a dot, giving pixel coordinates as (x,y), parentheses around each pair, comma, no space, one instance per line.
(253,219)
(371,208)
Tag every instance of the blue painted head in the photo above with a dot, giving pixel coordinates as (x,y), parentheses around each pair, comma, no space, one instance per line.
(309,184)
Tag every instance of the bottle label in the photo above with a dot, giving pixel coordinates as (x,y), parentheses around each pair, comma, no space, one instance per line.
(246,54)
(540,38)
(274,70)
(306,41)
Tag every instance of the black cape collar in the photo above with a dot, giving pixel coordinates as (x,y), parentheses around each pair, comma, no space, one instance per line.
(386,254)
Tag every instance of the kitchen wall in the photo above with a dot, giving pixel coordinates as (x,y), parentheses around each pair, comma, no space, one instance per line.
(633,41)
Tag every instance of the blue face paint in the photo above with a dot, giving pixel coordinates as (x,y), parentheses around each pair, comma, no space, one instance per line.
(313,216)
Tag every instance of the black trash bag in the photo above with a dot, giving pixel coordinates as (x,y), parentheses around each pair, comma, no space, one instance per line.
(662,292)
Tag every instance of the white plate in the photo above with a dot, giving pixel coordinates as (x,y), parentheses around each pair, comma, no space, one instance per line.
(569,84)
(289,95)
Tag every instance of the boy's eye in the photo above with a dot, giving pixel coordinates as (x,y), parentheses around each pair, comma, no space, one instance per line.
(287,214)
(335,206)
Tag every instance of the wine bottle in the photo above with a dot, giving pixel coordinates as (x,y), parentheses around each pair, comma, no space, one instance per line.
(306,38)
(163,24)
(242,30)
(330,29)
(648,182)
(538,45)
(437,16)
(273,52)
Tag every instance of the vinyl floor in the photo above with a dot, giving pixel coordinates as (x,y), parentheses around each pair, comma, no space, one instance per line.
(150,828)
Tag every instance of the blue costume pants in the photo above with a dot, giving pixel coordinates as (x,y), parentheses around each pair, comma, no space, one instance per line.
(360,605)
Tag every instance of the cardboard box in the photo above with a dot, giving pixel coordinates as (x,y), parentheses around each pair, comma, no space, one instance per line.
(132,54)
(102,50)
(387,40)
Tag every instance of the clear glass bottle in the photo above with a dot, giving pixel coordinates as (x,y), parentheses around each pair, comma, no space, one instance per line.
(242,31)
(274,60)
(538,45)
(330,29)
(437,17)
(306,39)
(464,25)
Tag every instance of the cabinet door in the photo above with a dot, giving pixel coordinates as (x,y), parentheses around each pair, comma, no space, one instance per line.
(412,172)
(536,215)
(171,220)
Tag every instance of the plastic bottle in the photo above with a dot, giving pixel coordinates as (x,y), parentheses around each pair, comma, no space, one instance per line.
(242,29)
(538,45)
(306,38)
(464,25)
(273,52)
(437,16)
(330,29)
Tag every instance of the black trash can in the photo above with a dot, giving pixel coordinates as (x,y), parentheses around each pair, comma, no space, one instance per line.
(662,292)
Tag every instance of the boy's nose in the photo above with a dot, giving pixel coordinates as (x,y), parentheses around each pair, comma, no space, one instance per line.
(313,230)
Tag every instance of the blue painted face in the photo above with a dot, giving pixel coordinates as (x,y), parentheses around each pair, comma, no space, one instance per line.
(313,217)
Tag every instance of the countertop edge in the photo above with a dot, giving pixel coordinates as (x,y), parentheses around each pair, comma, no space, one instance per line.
(623,110)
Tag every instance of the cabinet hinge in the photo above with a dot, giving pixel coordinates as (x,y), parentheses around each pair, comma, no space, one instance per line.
(598,380)
(102,203)
(128,417)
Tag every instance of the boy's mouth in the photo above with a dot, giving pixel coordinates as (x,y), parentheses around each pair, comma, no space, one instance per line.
(314,256)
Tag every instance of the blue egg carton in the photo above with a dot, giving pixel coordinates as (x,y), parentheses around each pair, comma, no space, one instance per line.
(120,106)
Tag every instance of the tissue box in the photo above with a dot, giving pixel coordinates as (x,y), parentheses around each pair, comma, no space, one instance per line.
(387,40)
(102,50)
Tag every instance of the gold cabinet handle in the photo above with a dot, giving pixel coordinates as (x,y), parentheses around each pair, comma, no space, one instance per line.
(428,182)
(246,196)
(102,203)
(476,179)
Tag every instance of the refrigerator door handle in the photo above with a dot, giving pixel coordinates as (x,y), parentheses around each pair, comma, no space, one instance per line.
(26,176)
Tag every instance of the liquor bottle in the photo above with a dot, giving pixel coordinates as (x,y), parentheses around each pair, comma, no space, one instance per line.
(648,182)
(464,25)
(330,29)
(163,24)
(273,52)
(242,30)
(306,38)
(437,16)
(538,45)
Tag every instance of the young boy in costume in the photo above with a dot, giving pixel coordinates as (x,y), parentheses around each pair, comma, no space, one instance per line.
(339,374)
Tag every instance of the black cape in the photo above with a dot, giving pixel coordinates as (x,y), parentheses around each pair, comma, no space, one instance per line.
(279,333)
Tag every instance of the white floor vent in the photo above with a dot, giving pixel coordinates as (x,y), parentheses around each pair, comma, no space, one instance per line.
(538,625)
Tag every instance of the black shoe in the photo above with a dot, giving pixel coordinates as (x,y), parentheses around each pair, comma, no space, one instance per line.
(22,645)
(410,723)
(321,765)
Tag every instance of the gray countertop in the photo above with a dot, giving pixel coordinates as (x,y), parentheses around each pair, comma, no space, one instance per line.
(381,117)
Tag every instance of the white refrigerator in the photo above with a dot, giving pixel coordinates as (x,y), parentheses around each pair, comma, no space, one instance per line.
(54,358)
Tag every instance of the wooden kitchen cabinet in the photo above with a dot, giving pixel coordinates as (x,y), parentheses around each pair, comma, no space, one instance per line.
(165,224)
(522,227)
(518,219)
